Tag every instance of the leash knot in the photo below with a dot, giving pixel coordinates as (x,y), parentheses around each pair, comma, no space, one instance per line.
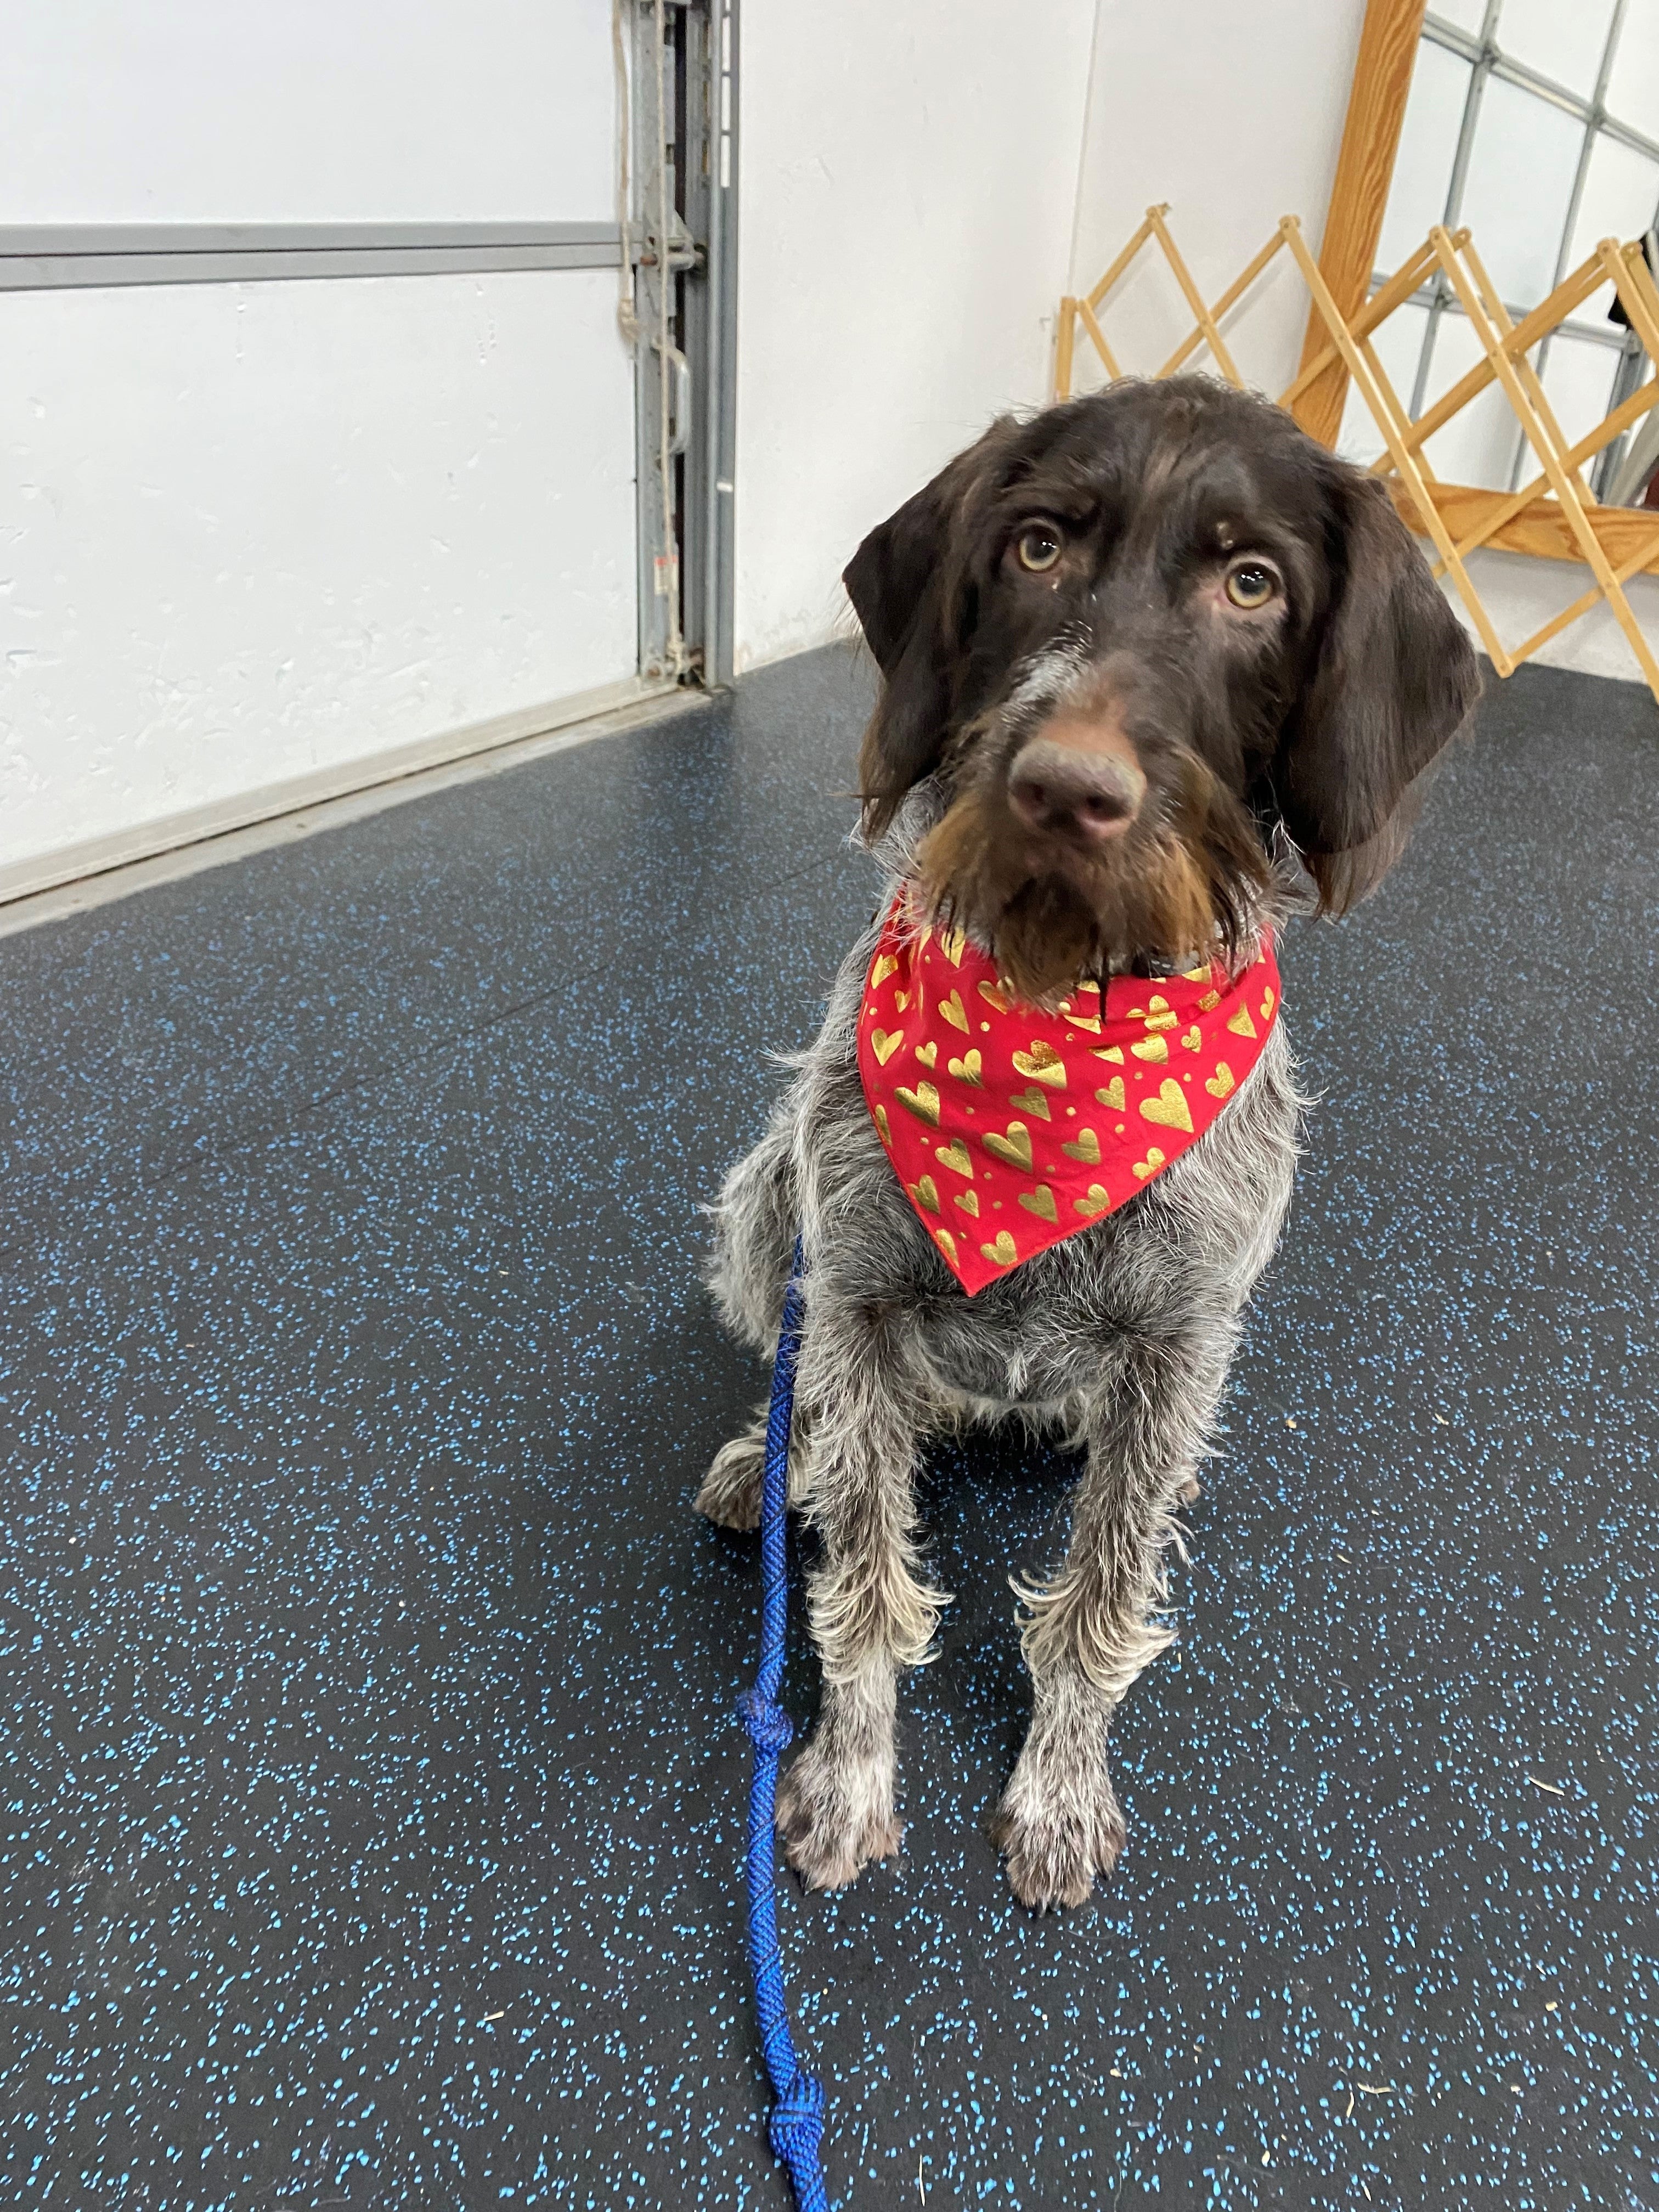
(796,2121)
(770,1729)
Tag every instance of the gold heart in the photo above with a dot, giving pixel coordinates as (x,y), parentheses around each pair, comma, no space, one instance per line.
(954,1012)
(1034,1102)
(1112,1052)
(925,1193)
(1091,1022)
(885,1043)
(969,1202)
(1152,1049)
(1005,1252)
(1093,1202)
(927,1054)
(923,1102)
(1221,1082)
(1194,1040)
(992,997)
(1153,1161)
(1197,974)
(1267,1003)
(946,1243)
(1240,1024)
(1210,998)
(885,966)
(1158,1016)
(901,1000)
(1041,1201)
(1042,1064)
(953,944)
(955,1156)
(881,1124)
(967,1069)
(1113,1093)
(1169,1108)
(1015,1147)
(1087,1148)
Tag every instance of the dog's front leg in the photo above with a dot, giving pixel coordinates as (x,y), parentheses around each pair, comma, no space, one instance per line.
(1095,1627)
(871,1614)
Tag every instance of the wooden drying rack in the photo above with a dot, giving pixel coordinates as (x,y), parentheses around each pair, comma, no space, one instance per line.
(1555,514)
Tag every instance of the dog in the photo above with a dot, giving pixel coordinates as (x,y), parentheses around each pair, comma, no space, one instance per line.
(1156,669)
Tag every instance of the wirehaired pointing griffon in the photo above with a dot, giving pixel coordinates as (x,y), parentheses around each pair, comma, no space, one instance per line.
(1151,661)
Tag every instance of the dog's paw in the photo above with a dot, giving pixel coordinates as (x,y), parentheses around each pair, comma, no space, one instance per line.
(731,1491)
(835,1820)
(1054,1843)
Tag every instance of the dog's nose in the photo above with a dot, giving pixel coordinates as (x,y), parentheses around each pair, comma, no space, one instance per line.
(1064,789)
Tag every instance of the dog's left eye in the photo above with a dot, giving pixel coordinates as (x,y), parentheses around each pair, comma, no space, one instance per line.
(1249,584)
(1037,547)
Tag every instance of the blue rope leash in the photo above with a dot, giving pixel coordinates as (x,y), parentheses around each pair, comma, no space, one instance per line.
(797,2118)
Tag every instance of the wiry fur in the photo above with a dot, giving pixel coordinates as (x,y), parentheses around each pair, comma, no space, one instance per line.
(1259,734)
(1118,1338)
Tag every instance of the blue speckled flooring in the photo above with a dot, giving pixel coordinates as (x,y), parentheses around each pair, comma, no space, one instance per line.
(372,1803)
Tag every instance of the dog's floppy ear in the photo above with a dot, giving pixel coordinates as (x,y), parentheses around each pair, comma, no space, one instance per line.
(1393,677)
(916,611)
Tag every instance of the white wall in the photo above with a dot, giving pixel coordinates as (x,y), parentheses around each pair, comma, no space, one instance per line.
(907,183)
(1234,115)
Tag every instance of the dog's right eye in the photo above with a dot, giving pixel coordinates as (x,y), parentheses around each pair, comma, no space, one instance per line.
(1037,547)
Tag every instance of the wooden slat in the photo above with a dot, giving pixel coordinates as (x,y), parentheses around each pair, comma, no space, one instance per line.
(1183,276)
(1540,529)
(1386,414)
(1063,339)
(1364,170)
(1234,292)
(1571,292)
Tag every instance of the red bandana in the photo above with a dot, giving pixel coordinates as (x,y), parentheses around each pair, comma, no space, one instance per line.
(1010,1128)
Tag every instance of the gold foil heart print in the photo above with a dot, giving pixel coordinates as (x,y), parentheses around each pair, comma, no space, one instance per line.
(1152,1049)
(954,1012)
(1084,1147)
(1094,1200)
(1015,1147)
(927,1054)
(970,1068)
(1240,1024)
(1150,1165)
(885,966)
(922,1101)
(955,1156)
(1042,1064)
(885,1043)
(1004,1252)
(1032,1101)
(1040,1201)
(1221,1082)
(969,1202)
(1113,1095)
(1169,1107)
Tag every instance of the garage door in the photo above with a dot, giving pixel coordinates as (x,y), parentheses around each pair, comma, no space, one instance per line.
(262,539)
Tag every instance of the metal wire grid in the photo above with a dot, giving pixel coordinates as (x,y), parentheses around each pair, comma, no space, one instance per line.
(1487,59)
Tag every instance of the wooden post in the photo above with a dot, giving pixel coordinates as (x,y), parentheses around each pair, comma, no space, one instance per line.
(1364,170)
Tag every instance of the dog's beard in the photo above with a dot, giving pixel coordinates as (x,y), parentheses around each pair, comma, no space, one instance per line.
(1174,889)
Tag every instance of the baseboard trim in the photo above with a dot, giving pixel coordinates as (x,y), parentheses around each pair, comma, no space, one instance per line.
(78,876)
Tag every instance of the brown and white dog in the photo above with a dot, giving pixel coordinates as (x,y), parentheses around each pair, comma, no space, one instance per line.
(1151,661)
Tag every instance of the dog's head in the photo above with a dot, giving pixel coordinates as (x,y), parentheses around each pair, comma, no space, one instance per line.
(1131,636)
